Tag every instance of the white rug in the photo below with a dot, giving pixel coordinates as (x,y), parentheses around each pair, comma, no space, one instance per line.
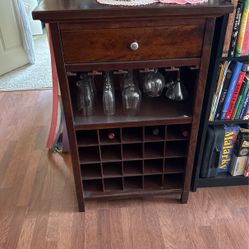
(37,76)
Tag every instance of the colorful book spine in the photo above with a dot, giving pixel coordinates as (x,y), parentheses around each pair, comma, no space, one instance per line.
(236,28)
(245,46)
(229,29)
(238,165)
(230,137)
(219,90)
(238,100)
(246,116)
(235,94)
(242,100)
(236,71)
(221,72)
(246,174)
(242,28)
(244,107)
(224,93)
(237,106)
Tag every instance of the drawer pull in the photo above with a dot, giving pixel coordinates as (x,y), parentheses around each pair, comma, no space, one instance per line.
(134,46)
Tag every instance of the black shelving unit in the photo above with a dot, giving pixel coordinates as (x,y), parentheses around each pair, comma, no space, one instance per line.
(224,179)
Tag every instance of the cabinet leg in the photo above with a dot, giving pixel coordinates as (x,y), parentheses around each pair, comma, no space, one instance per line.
(81,207)
(184,197)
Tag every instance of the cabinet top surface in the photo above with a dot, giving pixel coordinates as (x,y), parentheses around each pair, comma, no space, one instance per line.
(62,10)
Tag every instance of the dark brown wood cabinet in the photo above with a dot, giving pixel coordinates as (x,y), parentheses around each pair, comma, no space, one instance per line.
(88,37)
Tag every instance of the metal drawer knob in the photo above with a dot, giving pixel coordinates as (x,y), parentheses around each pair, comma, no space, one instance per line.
(134,46)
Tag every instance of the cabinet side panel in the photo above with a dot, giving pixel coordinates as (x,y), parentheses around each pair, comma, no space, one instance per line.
(197,108)
(66,100)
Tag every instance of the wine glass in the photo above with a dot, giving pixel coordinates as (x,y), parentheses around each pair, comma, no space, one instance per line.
(108,95)
(176,89)
(86,95)
(131,95)
(153,84)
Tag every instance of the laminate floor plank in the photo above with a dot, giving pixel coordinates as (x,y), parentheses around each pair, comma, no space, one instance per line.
(38,206)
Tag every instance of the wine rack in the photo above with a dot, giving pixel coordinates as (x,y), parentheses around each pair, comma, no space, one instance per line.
(134,159)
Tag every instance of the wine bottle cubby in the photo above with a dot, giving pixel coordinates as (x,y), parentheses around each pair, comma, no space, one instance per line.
(140,158)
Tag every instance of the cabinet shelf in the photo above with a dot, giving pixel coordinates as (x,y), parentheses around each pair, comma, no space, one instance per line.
(223,179)
(228,122)
(154,111)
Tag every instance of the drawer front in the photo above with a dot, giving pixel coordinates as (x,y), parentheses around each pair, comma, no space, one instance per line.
(125,44)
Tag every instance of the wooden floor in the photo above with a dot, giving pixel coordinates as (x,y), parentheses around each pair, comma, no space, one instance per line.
(38,206)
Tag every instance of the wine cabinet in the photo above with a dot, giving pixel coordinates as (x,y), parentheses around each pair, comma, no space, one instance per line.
(151,152)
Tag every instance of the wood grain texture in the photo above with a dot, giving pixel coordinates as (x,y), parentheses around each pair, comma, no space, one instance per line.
(63,10)
(48,217)
(102,45)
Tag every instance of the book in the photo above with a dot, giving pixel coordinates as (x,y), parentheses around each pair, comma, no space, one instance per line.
(235,29)
(246,116)
(212,150)
(241,147)
(245,46)
(238,165)
(242,100)
(224,92)
(246,174)
(236,71)
(219,88)
(239,100)
(230,137)
(236,92)
(229,30)
(218,80)
(242,28)
(244,106)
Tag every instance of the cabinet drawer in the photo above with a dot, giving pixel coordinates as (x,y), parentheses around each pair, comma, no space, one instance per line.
(149,43)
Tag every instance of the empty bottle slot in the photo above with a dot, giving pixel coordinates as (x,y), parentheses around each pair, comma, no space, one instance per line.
(87,138)
(153,150)
(153,182)
(176,149)
(173,181)
(153,166)
(89,154)
(92,185)
(112,169)
(113,184)
(133,167)
(132,151)
(134,182)
(134,134)
(90,171)
(111,153)
(175,165)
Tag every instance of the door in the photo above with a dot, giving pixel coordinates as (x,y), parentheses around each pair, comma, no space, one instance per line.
(36,27)
(12,53)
